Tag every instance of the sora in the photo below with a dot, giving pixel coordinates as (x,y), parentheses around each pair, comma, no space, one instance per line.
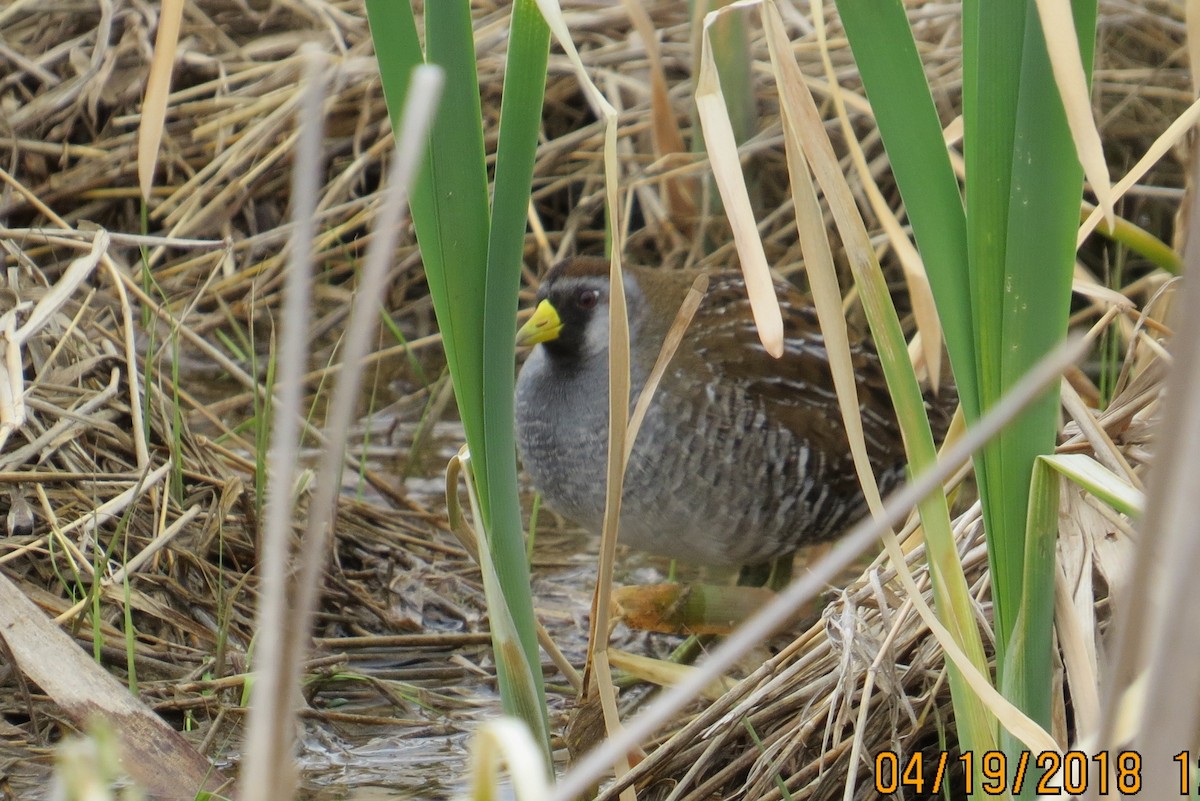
(742,458)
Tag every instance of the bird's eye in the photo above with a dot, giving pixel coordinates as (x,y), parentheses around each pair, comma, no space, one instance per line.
(587,298)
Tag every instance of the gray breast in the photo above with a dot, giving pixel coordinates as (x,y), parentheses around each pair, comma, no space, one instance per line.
(562,436)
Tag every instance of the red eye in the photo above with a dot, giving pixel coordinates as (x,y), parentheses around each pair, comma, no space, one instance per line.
(587,298)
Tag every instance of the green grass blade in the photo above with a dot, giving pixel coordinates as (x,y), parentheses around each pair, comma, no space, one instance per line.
(522,691)
(472,262)
(1024,675)
(454,241)
(1099,481)
(450,202)
(397,50)
(1139,241)
(1031,298)
(894,78)
(992,51)
(1034,302)
(993,42)
(520,123)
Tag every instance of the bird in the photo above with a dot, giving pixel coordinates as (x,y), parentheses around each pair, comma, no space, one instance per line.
(741,458)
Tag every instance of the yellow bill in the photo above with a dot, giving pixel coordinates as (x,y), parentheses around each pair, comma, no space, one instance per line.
(543,326)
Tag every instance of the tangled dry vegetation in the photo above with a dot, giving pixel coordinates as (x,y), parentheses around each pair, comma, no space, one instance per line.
(130,414)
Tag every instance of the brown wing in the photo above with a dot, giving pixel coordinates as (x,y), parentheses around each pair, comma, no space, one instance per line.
(797,389)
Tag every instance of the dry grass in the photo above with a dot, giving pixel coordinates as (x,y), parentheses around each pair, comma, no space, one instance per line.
(103,405)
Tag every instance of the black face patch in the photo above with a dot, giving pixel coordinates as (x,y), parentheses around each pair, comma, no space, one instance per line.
(577,300)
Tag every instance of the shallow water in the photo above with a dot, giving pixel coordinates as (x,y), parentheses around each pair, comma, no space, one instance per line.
(412,763)
(375,764)
(382,767)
